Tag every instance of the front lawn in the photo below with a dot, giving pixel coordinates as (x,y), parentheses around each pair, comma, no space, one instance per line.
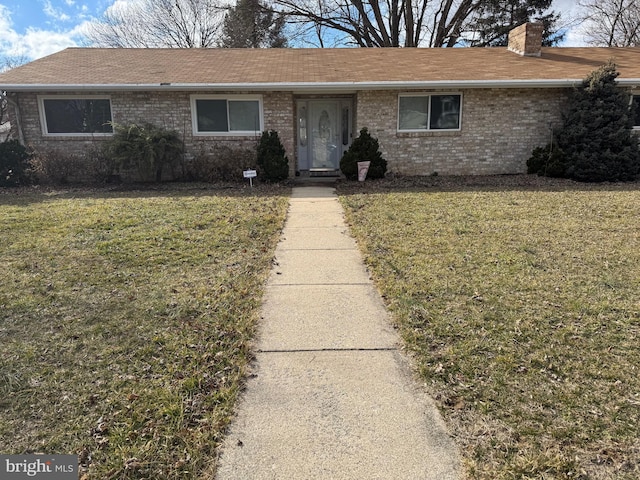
(126,319)
(520,299)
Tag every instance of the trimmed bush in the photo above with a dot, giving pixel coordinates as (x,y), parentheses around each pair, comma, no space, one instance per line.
(146,148)
(223,163)
(365,148)
(54,167)
(273,165)
(14,164)
(99,166)
(547,161)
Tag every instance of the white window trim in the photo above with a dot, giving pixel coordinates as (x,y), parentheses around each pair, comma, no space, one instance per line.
(429,130)
(43,116)
(233,133)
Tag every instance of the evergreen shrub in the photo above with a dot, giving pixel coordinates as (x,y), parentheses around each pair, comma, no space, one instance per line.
(14,164)
(365,148)
(548,161)
(596,142)
(273,164)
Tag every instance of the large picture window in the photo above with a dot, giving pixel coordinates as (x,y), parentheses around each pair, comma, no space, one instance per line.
(429,112)
(214,115)
(76,115)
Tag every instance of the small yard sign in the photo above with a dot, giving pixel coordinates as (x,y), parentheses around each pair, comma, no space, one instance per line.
(250,174)
(363,169)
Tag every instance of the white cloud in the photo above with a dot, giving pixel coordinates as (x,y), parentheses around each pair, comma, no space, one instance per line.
(40,43)
(54,13)
(9,38)
(570,11)
(123,5)
(575,38)
(35,42)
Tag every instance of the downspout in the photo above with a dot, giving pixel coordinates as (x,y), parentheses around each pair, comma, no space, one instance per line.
(16,110)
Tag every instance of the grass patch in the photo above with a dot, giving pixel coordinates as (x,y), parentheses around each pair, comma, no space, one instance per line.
(520,302)
(126,321)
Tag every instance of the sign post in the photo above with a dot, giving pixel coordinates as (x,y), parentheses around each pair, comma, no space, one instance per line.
(250,174)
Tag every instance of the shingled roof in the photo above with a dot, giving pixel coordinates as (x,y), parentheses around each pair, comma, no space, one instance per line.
(306,69)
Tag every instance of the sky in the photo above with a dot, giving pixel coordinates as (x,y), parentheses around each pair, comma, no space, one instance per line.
(36,28)
(30,29)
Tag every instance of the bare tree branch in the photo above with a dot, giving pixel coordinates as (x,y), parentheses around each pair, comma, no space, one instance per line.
(612,23)
(159,23)
(7,63)
(387,23)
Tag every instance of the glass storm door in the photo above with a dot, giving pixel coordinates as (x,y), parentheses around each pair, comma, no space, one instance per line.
(324,135)
(324,132)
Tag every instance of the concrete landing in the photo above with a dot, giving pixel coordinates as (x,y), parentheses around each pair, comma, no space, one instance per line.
(332,397)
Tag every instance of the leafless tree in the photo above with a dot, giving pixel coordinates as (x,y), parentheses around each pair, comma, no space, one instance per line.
(159,23)
(7,63)
(304,32)
(385,23)
(612,23)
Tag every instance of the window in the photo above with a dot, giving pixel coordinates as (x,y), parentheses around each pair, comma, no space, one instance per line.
(429,112)
(635,110)
(76,115)
(345,126)
(215,115)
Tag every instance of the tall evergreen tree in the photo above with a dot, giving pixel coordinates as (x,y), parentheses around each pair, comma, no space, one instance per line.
(596,142)
(495,18)
(251,25)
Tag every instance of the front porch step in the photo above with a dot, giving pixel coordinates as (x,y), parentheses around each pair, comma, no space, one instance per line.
(324,173)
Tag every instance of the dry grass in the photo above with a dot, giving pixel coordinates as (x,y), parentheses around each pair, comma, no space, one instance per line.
(520,299)
(126,321)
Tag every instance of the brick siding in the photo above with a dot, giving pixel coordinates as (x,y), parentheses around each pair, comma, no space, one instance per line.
(171,110)
(499,130)
(500,127)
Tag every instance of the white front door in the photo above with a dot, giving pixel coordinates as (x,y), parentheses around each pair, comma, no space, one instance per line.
(324,133)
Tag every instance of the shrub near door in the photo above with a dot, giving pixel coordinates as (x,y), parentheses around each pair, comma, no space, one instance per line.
(273,164)
(365,148)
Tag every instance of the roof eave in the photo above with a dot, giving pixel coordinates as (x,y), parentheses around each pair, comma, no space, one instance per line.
(308,86)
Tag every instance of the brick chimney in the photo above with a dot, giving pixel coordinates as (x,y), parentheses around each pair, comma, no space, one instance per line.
(526,40)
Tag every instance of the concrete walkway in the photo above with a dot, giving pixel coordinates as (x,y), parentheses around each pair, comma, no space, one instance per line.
(332,397)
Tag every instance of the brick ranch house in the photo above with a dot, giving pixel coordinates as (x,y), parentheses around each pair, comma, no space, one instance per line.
(452,111)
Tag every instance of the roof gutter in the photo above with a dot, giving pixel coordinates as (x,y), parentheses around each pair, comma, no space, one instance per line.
(308,86)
